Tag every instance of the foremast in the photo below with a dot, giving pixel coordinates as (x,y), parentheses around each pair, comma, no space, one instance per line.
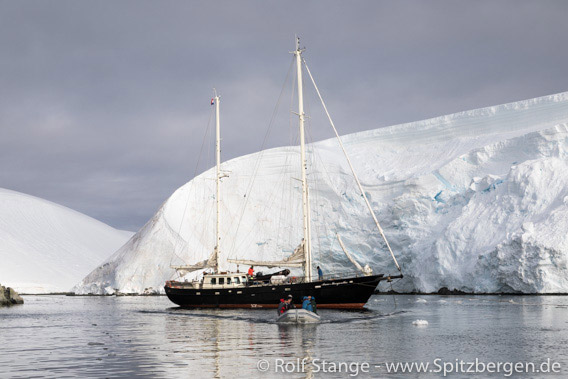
(218,181)
(304,167)
(213,260)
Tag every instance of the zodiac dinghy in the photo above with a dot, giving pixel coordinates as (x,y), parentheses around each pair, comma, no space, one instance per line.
(298,316)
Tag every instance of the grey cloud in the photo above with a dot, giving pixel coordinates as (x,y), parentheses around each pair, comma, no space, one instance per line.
(104,104)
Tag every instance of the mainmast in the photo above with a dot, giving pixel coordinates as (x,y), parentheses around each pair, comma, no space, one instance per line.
(218,180)
(304,167)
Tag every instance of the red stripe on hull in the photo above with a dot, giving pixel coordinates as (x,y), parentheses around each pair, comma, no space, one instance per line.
(273,306)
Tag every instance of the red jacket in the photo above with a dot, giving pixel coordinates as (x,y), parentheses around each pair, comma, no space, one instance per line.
(282,307)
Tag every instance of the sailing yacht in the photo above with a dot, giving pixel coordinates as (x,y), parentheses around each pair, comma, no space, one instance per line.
(237,290)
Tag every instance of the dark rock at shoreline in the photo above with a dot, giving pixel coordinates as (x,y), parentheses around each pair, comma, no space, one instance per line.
(9,297)
(446,291)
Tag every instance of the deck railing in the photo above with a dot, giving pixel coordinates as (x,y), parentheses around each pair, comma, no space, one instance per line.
(290,279)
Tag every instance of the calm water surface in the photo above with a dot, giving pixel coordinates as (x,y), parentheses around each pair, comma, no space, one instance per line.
(60,336)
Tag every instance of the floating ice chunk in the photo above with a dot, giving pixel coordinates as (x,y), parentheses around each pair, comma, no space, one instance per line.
(420,323)
(109,290)
(421,301)
(442,301)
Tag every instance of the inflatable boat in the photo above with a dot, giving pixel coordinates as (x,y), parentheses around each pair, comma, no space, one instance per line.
(298,316)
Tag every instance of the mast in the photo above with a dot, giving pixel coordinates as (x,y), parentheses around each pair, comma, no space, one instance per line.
(304,167)
(218,180)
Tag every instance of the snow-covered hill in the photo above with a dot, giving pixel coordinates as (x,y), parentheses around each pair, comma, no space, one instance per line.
(45,247)
(475,201)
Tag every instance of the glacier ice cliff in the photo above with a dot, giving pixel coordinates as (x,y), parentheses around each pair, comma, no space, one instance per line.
(474,201)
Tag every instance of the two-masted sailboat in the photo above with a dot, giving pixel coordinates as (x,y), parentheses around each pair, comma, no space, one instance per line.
(237,290)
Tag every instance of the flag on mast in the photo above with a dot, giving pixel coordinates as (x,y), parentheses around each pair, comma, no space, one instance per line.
(212,101)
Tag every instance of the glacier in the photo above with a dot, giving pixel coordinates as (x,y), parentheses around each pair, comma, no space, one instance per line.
(46,247)
(474,201)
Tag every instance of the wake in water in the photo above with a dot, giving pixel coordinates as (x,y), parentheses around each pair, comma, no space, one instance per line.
(268,317)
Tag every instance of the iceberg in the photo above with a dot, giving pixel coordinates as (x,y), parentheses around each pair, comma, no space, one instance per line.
(474,201)
(46,247)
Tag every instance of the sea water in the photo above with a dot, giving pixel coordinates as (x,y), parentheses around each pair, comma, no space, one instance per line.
(67,336)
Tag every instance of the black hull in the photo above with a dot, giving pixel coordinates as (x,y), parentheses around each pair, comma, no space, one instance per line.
(346,293)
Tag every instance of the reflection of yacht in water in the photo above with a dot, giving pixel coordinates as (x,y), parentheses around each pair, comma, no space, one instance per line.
(236,290)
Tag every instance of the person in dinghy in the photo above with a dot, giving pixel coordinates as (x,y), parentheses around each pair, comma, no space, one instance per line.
(309,304)
(285,305)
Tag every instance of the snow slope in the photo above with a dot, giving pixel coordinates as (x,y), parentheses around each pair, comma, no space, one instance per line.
(475,201)
(45,247)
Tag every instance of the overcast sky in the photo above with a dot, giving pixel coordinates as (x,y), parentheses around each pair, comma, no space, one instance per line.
(104,105)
